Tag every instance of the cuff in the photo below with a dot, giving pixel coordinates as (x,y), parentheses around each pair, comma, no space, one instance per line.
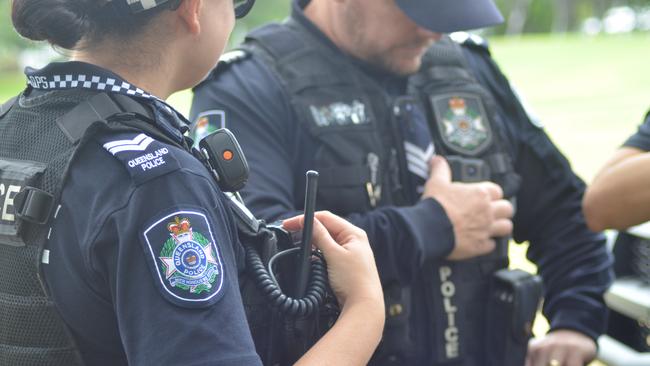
(433,233)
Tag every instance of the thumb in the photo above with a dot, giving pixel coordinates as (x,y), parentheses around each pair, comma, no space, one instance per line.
(440,170)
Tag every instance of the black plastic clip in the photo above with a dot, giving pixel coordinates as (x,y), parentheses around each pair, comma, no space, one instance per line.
(33,205)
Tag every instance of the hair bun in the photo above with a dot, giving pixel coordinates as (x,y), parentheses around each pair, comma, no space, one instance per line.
(60,22)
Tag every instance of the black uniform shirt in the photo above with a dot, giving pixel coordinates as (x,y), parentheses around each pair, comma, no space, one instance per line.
(641,139)
(248,98)
(141,258)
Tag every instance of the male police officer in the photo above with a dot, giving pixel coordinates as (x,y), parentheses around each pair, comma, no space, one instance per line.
(365,91)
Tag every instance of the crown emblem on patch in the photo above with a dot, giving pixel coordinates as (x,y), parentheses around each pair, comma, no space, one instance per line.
(456,103)
(180,229)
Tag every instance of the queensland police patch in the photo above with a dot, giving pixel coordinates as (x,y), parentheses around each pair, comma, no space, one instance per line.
(462,122)
(184,258)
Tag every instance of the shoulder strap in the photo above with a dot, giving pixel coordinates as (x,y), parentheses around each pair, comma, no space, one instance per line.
(7,106)
(99,108)
(278,40)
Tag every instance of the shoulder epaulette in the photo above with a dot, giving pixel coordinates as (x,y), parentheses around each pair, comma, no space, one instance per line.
(233,56)
(143,157)
(225,61)
(470,40)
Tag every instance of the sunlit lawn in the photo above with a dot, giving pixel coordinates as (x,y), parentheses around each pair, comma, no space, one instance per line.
(590,93)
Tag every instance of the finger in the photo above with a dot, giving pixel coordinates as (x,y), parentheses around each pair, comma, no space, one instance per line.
(573,359)
(494,190)
(324,241)
(337,226)
(502,209)
(294,223)
(557,357)
(440,170)
(533,354)
(501,227)
(551,355)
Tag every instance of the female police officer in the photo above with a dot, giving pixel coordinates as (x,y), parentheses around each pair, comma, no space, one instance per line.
(135,244)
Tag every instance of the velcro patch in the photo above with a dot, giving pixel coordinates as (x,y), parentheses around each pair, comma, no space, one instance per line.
(339,113)
(184,258)
(144,157)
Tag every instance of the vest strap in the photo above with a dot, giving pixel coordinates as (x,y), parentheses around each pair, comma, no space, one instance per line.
(33,205)
(7,106)
(98,109)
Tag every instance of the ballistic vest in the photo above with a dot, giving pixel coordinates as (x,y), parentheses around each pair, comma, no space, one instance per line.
(36,150)
(362,164)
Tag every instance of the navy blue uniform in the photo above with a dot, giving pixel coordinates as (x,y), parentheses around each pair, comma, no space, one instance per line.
(249,99)
(142,254)
(641,139)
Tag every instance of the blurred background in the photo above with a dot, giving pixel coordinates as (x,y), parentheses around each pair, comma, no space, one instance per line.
(582,66)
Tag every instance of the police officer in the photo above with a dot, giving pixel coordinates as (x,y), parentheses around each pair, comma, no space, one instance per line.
(618,197)
(372,94)
(137,250)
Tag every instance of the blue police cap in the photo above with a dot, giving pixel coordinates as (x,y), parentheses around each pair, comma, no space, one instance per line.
(446,16)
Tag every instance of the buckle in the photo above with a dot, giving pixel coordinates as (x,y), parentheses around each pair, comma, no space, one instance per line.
(33,205)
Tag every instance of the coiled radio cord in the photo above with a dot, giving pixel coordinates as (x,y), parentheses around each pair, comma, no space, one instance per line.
(266,282)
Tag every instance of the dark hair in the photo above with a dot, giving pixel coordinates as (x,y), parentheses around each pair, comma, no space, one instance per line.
(63,23)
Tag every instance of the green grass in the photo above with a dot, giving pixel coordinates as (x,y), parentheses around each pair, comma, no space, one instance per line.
(10,85)
(590,92)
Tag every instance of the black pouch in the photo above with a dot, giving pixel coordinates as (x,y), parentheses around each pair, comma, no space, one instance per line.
(515,296)
(19,200)
(396,347)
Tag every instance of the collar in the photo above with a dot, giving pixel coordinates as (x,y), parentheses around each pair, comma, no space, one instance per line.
(85,76)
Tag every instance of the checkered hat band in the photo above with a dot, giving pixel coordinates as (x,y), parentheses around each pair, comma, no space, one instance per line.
(93,82)
(142,5)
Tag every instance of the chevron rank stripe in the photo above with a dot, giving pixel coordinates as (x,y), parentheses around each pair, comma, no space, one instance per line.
(138,143)
(418,159)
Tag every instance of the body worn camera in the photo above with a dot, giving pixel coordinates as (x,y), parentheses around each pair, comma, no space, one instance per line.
(468,170)
(226,159)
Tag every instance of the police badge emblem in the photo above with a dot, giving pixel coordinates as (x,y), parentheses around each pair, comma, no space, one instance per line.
(462,122)
(185,259)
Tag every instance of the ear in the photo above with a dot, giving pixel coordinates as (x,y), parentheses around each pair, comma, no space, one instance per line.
(189,14)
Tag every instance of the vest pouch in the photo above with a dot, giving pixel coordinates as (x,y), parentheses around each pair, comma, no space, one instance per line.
(346,189)
(396,347)
(15,177)
(514,298)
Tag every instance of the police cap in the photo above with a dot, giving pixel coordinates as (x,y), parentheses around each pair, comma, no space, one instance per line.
(446,16)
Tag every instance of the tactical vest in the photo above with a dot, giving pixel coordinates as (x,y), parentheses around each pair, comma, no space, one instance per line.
(34,157)
(35,153)
(362,163)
